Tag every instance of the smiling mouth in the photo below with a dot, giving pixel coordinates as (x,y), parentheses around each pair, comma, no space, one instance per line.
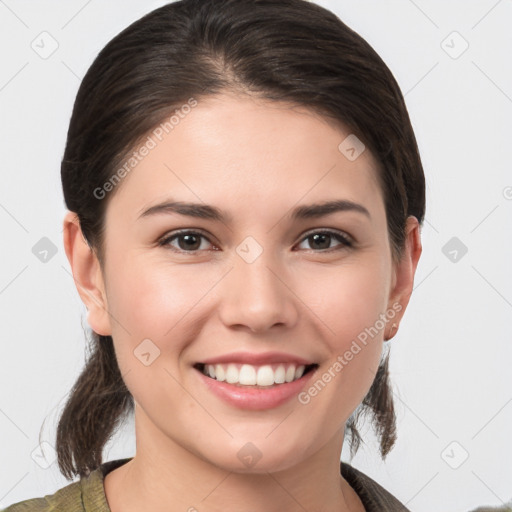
(248,375)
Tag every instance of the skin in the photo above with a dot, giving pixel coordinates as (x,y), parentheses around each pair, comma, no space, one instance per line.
(256,160)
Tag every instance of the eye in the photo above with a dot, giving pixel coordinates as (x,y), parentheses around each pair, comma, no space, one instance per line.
(324,239)
(188,241)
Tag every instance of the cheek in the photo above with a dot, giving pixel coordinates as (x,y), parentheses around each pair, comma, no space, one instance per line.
(149,299)
(348,301)
(352,308)
(145,305)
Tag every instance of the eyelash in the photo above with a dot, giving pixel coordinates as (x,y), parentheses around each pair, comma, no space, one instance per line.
(346,241)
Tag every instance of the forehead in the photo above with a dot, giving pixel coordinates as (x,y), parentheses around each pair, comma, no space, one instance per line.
(249,152)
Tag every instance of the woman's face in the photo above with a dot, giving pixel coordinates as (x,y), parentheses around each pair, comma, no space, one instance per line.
(255,294)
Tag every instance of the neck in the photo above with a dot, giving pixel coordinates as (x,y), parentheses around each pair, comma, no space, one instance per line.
(178,480)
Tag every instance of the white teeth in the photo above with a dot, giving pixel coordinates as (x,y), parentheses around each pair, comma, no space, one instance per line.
(280,374)
(249,375)
(218,372)
(265,376)
(290,374)
(232,374)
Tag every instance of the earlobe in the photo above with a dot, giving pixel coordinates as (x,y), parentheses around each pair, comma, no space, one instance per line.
(404,273)
(87,275)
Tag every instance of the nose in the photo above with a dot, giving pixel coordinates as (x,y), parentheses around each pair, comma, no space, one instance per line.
(257,296)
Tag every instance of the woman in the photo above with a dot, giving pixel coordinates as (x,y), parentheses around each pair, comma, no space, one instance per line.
(245,197)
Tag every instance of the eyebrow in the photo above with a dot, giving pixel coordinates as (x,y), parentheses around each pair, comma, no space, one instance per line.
(204,211)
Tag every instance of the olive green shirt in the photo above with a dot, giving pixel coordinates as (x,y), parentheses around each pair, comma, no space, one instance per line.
(88,494)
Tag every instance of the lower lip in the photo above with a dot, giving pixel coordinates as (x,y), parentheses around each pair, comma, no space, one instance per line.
(256,399)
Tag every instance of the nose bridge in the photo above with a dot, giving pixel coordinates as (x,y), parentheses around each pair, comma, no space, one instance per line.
(255,295)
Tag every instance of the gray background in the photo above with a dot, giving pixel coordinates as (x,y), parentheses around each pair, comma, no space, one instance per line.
(451,358)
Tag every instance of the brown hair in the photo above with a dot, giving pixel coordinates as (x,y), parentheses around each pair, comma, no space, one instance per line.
(282,50)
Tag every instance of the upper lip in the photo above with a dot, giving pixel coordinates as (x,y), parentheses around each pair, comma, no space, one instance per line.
(257,359)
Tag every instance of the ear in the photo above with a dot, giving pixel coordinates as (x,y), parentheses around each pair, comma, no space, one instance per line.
(403,275)
(87,275)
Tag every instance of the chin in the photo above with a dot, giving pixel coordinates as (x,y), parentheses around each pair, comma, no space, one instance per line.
(249,459)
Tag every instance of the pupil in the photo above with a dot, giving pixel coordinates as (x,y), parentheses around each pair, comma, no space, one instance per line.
(323,238)
(191,241)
